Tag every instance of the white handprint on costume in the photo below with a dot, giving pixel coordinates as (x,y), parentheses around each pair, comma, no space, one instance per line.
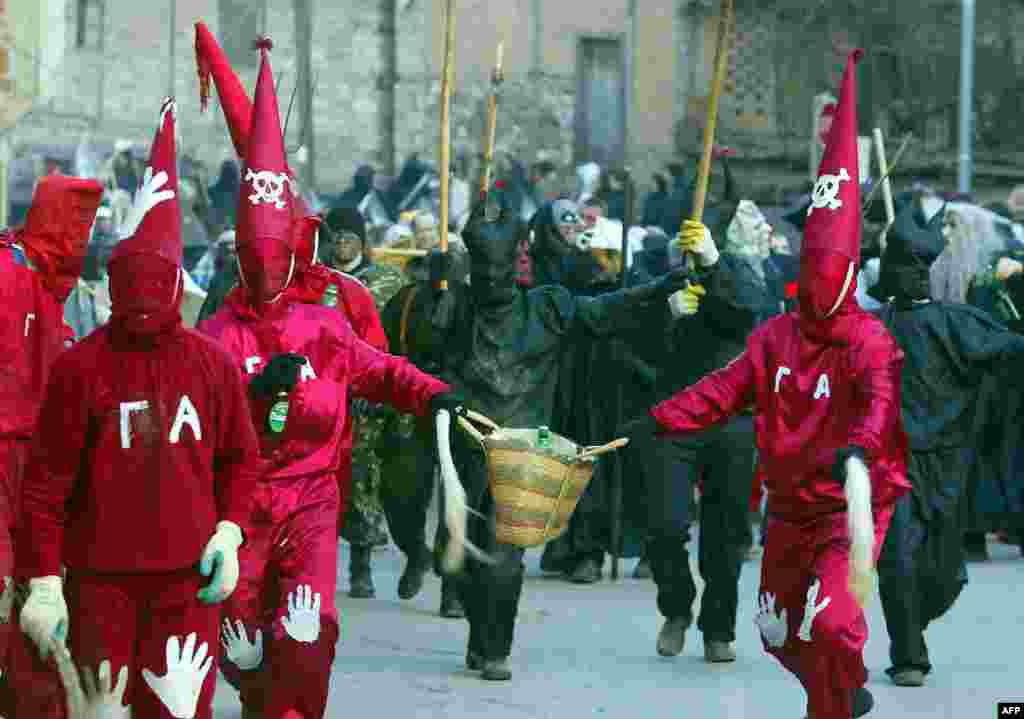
(773,626)
(245,654)
(147,197)
(186,669)
(812,609)
(303,620)
(89,696)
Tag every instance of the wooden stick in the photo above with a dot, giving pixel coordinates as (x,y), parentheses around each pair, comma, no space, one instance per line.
(490,132)
(883,170)
(446,99)
(892,168)
(396,252)
(725,22)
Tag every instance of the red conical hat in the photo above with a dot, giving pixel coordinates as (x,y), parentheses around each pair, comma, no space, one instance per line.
(830,253)
(159,233)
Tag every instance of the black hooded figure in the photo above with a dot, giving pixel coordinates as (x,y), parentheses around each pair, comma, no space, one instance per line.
(502,352)
(948,347)
(554,261)
(362,183)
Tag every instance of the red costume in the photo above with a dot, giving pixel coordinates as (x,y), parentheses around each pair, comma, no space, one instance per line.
(312,279)
(144,460)
(825,382)
(288,582)
(39,265)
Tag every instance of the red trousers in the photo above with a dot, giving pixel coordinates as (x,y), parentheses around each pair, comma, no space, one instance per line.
(826,651)
(286,592)
(344,478)
(13,458)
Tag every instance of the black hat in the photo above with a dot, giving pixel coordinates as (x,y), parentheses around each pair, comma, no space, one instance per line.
(796,213)
(912,243)
(346,219)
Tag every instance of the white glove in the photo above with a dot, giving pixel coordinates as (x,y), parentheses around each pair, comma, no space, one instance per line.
(44,618)
(812,609)
(220,558)
(147,197)
(861,525)
(89,696)
(696,238)
(303,620)
(186,670)
(245,655)
(773,626)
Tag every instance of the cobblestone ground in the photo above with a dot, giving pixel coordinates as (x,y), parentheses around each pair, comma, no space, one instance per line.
(589,651)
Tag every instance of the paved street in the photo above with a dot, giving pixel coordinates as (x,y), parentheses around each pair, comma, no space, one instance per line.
(589,651)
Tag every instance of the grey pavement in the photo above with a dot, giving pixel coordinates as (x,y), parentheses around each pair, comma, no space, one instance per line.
(589,652)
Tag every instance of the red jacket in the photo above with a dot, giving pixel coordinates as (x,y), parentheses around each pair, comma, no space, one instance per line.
(33,333)
(119,488)
(813,396)
(340,365)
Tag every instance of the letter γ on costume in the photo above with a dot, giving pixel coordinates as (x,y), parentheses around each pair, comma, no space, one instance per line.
(28,321)
(126,426)
(306,372)
(822,390)
(187,415)
(251,363)
(779,374)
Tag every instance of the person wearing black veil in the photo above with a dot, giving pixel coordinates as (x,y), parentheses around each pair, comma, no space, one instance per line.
(503,347)
(948,347)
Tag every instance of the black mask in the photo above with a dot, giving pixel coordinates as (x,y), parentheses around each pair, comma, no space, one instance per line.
(492,239)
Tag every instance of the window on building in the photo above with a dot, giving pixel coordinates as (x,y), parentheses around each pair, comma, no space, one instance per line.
(240,22)
(89,24)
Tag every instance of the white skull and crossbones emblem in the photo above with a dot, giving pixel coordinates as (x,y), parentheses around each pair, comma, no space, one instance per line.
(268,187)
(826,191)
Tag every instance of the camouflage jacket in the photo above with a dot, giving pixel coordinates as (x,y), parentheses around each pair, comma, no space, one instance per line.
(382,280)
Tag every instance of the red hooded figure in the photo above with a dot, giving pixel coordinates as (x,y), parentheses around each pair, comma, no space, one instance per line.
(825,383)
(39,265)
(144,465)
(306,362)
(312,282)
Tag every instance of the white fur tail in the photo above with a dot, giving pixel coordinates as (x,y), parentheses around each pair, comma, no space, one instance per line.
(861,525)
(456,507)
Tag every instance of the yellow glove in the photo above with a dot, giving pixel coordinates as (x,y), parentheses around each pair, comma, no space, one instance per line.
(686,301)
(696,238)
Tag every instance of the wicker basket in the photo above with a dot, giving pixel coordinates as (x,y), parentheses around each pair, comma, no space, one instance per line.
(535,491)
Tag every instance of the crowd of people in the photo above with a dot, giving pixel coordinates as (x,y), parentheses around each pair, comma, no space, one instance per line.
(188,434)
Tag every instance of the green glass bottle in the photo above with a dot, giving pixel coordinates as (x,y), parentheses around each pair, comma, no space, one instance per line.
(278,415)
(330,297)
(544,438)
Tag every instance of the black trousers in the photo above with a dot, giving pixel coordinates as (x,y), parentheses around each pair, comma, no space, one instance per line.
(406,488)
(724,458)
(921,570)
(489,592)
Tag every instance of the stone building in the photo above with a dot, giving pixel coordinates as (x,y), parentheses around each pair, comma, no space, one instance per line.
(614,81)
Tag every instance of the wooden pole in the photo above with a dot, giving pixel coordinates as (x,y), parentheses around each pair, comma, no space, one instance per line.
(490,131)
(726,20)
(883,172)
(446,98)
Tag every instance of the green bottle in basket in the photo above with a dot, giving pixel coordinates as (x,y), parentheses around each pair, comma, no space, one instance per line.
(544,439)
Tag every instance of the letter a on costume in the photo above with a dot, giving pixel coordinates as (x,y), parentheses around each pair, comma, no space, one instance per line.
(822,390)
(187,415)
(307,372)
(28,321)
(251,363)
(126,426)
(782,372)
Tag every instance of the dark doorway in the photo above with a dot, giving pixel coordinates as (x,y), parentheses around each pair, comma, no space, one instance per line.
(601,102)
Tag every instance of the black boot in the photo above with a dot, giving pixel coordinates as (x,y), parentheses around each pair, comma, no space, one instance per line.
(586,572)
(975,547)
(411,581)
(643,569)
(451,607)
(360,578)
(496,670)
(863,702)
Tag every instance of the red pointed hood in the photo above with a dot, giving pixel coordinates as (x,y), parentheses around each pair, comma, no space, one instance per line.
(212,62)
(266,211)
(145,268)
(159,234)
(830,254)
(56,230)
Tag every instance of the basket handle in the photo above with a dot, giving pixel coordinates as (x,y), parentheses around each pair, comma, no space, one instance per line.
(479,419)
(610,447)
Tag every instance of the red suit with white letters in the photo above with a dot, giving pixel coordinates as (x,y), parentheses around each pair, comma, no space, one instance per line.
(281,626)
(825,383)
(143,467)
